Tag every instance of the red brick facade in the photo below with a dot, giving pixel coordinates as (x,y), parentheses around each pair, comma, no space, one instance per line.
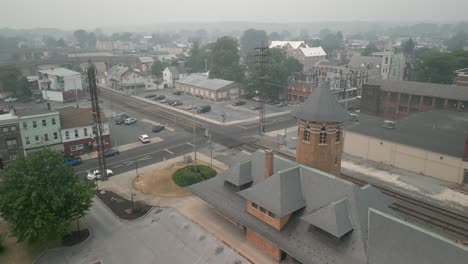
(84,146)
(268,247)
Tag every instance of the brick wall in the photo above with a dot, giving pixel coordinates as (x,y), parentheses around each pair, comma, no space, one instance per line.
(91,146)
(265,245)
(276,222)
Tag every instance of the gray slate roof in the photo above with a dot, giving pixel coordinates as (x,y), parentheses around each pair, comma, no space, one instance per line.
(240,175)
(333,218)
(423,89)
(116,72)
(358,61)
(443,131)
(204,82)
(279,193)
(321,106)
(59,72)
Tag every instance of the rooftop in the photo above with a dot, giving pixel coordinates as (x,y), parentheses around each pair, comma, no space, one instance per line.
(34,112)
(146,59)
(204,82)
(423,89)
(281,44)
(314,51)
(358,61)
(443,131)
(59,72)
(71,117)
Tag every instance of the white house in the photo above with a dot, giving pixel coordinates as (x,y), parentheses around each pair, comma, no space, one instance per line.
(172,74)
(60,84)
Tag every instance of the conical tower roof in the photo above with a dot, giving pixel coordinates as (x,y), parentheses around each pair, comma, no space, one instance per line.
(321,106)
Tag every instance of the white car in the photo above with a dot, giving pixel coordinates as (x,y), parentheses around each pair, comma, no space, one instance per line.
(11,99)
(144,139)
(130,121)
(96,174)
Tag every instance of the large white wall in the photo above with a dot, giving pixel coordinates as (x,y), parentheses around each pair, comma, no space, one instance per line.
(417,160)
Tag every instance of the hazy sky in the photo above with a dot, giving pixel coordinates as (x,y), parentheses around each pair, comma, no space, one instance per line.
(97,13)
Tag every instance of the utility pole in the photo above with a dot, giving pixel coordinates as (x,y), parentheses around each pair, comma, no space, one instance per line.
(194,143)
(262,60)
(98,129)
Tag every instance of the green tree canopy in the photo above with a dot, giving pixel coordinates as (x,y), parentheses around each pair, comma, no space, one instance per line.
(457,41)
(40,196)
(12,81)
(251,39)
(225,60)
(277,73)
(197,57)
(369,49)
(438,67)
(157,68)
(408,47)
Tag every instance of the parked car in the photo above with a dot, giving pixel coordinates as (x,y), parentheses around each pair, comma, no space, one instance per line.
(119,121)
(11,99)
(169,102)
(177,103)
(41,100)
(273,102)
(282,104)
(96,174)
(165,101)
(204,109)
(389,124)
(130,121)
(144,139)
(111,152)
(160,97)
(256,98)
(238,103)
(157,129)
(177,93)
(150,96)
(122,116)
(255,107)
(190,107)
(70,160)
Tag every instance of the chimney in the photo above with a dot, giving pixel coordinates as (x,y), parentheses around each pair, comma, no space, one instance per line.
(465,153)
(268,163)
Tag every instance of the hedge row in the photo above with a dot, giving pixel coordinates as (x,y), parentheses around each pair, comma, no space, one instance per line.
(187,176)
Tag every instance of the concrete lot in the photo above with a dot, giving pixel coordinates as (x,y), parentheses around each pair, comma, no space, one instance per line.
(231,113)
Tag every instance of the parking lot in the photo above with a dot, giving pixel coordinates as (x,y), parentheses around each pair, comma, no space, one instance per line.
(218,109)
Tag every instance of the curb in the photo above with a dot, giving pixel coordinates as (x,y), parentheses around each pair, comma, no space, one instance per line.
(125,220)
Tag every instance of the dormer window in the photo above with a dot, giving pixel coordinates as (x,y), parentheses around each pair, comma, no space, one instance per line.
(323,136)
(306,136)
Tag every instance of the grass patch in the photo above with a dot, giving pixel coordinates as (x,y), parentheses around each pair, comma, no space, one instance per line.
(187,175)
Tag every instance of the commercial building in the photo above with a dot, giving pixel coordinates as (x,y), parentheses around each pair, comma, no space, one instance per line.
(395,99)
(40,129)
(300,212)
(10,138)
(77,131)
(60,84)
(212,89)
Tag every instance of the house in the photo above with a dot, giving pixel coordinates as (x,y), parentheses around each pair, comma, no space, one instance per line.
(308,56)
(40,128)
(10,138)
(300,212)
(395,99)
(144,64)
(289,46)
(172,74)
(212,89)
(60,84)
(104,45)
(78,131)
(462,77)
(123,78)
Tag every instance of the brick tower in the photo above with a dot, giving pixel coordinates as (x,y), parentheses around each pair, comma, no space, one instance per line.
(320,131)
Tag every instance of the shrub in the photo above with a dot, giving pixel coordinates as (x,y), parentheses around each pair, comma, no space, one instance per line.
(2,242)
(139,207)
(187,176)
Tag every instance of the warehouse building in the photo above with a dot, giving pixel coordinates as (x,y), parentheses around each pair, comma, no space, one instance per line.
(212,89)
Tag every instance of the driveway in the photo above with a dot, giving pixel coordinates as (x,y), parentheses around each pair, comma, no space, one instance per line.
(163,236)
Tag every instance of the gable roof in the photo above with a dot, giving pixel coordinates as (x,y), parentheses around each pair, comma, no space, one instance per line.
(204,82)
(358,61)
(116,72)
(59,72)
(321,106)
(280,193)
(146,59)
(241,174)
(423,89)
(313,52)
(333,218)
(282,44)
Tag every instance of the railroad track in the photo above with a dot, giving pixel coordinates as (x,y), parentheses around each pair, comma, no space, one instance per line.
(409,206)
(181,120)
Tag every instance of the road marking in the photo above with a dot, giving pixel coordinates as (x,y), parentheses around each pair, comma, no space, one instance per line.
(147,157)
(117,166)
(168,151)
(118,162)
(245,152)
(190,144)
(243,127)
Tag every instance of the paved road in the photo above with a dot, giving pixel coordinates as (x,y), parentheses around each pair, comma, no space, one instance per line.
(163,236)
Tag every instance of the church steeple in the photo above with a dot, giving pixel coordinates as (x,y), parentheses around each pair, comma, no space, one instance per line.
(320,130)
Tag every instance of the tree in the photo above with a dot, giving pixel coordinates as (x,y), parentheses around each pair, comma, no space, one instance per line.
(369,49)
(408,47)
(40,196)
(225,60)
(49,41)
(438,67)
(285,35)
(157,68)
(12,81)
(82,37)
(250,40)
(457,42)
(332,42)
(274,36)
(277,73)
(61,43)
(198,56)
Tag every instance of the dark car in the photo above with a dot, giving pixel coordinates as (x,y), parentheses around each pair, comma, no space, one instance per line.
(254,107)
(70,160)
(176,103)
(282,104)
(150,96)
(168,101)
(122,116)
(160,97)
(119,121)
(177,93)
(203,109)
(157,129)
(238,103)
(111,152)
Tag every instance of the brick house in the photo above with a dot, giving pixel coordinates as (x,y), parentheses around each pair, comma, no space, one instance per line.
(289,46)
(309,56)
(395,99)
(299,212)
(11,146)
(77,131)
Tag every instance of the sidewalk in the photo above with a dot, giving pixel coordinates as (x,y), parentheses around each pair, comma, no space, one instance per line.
(191,207)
